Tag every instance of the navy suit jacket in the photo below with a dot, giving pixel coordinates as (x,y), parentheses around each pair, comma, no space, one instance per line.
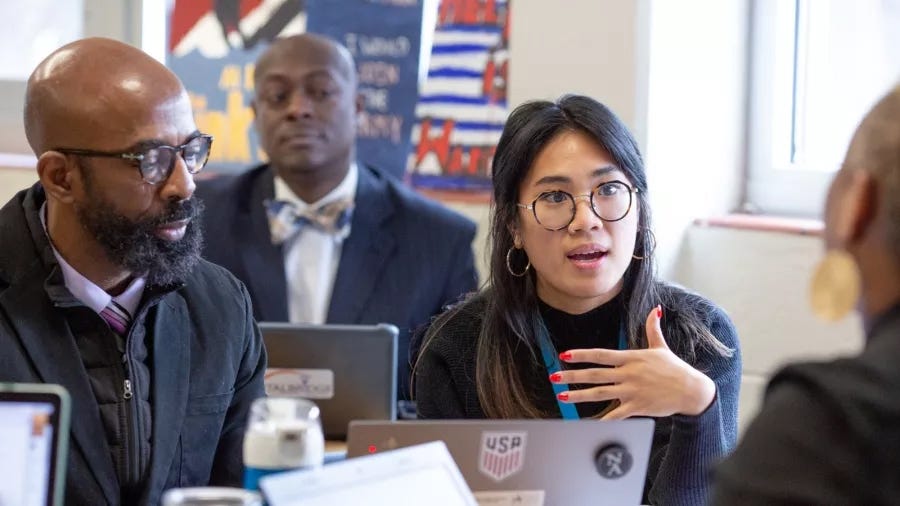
(406,256)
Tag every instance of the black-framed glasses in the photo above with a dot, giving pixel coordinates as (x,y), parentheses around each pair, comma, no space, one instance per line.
(555,210)
(156,163)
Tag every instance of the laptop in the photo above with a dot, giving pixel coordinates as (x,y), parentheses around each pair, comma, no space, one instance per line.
(565,462)
(349,371)
(34,436)
(420,474)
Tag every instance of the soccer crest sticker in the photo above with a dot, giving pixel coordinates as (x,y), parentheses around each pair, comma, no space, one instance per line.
(502,454)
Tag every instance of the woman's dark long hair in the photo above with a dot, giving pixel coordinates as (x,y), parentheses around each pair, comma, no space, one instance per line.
(511,317)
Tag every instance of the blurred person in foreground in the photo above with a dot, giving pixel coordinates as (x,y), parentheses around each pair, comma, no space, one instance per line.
(829,433)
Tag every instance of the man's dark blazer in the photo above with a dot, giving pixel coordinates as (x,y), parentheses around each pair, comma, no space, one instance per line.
(405,258)
(207,365)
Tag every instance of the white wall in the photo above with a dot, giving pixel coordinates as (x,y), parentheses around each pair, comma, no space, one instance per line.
(761,280)
(13,179)
(696,118)
(591,47)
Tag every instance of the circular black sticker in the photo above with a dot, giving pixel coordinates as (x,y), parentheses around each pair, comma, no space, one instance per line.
(613,461)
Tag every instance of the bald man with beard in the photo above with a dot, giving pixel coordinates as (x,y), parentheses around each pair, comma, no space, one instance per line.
(829,433)
(102,289)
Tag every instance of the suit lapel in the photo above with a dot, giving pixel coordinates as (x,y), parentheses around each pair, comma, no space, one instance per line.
(364,252)
(49,343)
(263,262)
(171,380)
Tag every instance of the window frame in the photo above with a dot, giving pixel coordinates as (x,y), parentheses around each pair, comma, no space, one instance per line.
(776,185)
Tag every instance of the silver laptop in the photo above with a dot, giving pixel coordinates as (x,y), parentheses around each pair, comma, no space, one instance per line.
(349,371)
(34,436)
(566,462)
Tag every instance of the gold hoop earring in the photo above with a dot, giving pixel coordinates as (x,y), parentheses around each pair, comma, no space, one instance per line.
(509,264)
(652,239)
(835,286)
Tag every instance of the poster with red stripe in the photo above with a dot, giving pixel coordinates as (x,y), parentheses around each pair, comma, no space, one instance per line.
(212,47)
(463,105)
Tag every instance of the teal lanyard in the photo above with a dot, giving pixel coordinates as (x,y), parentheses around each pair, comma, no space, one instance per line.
(551,361)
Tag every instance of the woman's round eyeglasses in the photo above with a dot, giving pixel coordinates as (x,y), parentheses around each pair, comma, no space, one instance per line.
(555,210)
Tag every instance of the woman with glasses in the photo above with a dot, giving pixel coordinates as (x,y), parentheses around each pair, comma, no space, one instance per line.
(573,322)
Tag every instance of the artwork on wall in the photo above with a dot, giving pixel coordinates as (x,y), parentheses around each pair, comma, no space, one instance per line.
(384,37)
(463,102)
(213,45)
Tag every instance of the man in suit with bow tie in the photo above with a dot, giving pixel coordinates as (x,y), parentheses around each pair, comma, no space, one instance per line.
(317,236)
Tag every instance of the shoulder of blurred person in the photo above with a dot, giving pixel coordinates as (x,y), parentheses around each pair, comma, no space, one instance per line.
(826,434)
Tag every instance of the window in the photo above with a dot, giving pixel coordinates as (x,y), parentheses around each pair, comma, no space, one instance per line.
(817,67)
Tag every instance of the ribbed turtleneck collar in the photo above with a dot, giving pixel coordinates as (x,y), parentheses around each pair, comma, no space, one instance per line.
(597,328)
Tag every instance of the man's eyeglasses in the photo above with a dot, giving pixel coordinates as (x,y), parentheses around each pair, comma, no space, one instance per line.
(156,163)
(555,210)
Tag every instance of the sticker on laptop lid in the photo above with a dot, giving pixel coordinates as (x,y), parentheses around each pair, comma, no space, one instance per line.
(509,497)
(305,383)
(613,461)
(502,454)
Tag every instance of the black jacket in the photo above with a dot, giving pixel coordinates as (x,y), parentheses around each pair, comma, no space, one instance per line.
(827,433)
(205,357)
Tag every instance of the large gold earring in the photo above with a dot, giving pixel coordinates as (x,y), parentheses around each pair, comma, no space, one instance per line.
(509,264)
(835,286)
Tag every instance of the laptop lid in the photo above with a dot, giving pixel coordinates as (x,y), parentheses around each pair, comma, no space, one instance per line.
(568,462)
(34,436)
(349,371)
(420,474)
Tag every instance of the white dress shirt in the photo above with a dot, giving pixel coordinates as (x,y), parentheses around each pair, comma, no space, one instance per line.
(311,256)
(86,291)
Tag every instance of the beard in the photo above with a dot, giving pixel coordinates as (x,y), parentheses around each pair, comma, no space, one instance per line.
(133,244)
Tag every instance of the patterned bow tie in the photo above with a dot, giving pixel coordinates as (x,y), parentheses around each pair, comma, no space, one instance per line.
(285,220)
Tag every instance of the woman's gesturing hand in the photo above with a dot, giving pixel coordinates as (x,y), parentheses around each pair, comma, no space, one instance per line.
(648,382)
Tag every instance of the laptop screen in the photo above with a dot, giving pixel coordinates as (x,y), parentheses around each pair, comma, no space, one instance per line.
(29,426)
(349,371)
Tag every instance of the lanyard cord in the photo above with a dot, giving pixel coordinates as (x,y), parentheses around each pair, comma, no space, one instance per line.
(551,361)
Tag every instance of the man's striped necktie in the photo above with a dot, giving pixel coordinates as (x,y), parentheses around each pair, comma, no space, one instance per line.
(117,317)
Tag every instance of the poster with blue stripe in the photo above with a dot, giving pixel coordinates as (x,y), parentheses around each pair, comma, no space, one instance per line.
(384,37)
(463,104)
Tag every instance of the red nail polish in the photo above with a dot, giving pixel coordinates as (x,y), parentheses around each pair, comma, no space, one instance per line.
(659,312)
(563,396)
(565,356)
(555,377)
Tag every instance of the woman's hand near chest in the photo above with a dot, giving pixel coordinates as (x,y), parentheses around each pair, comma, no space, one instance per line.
(649,382)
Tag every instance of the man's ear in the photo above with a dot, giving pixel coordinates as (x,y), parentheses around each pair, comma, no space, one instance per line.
(360,103)
(856,208)
(56,175)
